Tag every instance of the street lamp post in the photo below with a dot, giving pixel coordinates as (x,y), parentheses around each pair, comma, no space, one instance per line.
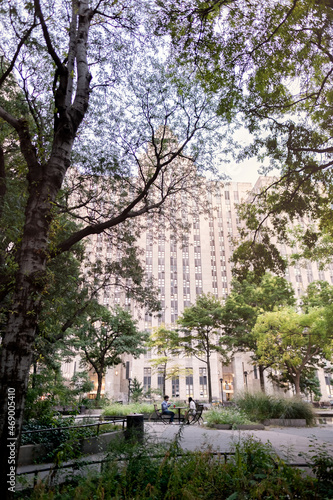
(129,389)
(245,375)
(221,381)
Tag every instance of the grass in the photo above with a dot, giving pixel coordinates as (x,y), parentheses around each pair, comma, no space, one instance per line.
(232,416)
(119,409)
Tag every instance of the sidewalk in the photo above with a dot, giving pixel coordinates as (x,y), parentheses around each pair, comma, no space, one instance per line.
(286,441)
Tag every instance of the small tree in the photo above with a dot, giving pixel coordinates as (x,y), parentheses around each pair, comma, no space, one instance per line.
(200,327)
(136,390)
(103,338)
(292,342)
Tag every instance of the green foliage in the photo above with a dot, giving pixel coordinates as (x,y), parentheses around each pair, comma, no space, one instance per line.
(118,409)
(260,406)
(293,342)
(63,442)
(232,416)
(200,325)
(136,390)
(103,337)
(157,472)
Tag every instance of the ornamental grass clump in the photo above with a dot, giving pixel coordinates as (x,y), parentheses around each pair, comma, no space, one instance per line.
(119,409)
(231,416)
(260,406)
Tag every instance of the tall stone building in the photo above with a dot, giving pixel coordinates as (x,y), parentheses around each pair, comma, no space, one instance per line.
(184,267)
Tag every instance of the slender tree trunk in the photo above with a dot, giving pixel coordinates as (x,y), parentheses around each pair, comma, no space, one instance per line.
(164,378)
(209,377)
(297,381)
(99,386)
(262,378)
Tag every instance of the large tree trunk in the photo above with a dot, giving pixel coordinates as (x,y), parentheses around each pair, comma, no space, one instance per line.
(44,183)
(16,351)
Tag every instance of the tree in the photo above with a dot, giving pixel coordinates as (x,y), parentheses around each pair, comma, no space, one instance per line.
(200,330)
(293,342)
(115,90)
(136,390)
(164,344)
(104,337)
(249,299)
(278,86)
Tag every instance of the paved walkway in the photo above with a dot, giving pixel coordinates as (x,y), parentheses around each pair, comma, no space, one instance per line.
(286,441)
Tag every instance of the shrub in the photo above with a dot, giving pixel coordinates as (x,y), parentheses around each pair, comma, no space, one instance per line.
(259,406)
(232,416)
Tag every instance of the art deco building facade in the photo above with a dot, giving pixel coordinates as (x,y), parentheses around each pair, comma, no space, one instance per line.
(183,268)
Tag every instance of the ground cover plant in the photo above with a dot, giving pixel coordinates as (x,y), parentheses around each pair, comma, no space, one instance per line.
(232,416)
(259,406)
(149,471)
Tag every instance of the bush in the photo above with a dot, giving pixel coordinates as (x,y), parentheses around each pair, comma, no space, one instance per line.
(259,406)
(232,416)
(152,472)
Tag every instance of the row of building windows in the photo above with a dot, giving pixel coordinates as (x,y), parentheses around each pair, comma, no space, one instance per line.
(189,383)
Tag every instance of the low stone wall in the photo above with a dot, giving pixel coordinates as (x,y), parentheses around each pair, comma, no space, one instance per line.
(285,422)
(30,453)
(240,427)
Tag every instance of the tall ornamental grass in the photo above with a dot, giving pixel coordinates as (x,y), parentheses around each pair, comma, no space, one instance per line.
(259,406)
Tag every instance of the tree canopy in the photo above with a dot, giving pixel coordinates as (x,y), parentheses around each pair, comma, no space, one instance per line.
(293,342)
(103,337)
(246,302)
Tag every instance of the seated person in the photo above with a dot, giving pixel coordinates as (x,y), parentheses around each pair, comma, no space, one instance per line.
(165,405)
(191,411)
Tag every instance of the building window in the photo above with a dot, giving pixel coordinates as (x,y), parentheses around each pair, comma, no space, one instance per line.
(175,387)
(160,380)
(146,379)
(203,382)
(189,382)
(329,383)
